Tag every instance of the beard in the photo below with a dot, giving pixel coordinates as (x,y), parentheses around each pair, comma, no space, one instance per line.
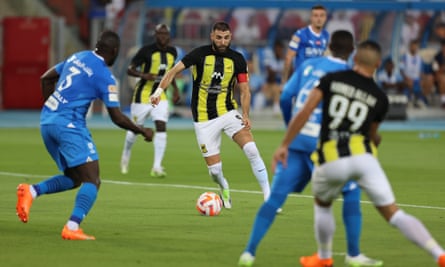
(220,49)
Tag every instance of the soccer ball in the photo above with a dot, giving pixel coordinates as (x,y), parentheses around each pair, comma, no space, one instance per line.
(209,204)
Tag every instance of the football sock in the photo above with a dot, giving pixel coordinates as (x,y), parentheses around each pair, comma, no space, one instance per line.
(258,167)
(263,220)
(352,219)
(85,198)
(415,231)
(72,225)
(216,173)
(159,143)
(324,230)
(55,184)
(130,138)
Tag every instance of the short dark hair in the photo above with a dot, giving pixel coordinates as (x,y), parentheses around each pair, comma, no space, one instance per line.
(108,41)
(342,43)
(221,26)
(318,7)
(371,45)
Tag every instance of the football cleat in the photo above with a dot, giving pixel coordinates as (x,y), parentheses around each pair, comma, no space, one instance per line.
(362,261)
(124,165)
(441,260)
(24,202)
(68,234)
(226,199)
(158,172)
(315,261)
(246,259)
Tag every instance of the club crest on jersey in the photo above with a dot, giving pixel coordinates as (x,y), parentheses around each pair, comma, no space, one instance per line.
(112,88)
(217,75)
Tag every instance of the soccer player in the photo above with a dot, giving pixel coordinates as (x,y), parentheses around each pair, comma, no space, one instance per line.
(216,70)
(308,42)
(68,89)
(353,107)
(297,174)
(150,63)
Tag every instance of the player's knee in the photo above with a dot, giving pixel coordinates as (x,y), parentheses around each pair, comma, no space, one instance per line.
(251,150)
(161,126)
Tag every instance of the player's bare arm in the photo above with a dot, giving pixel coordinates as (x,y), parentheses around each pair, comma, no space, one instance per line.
(132,71)
(375,137)
(48,82)
(166,81)
(124,122)
(287,69)
(245,103)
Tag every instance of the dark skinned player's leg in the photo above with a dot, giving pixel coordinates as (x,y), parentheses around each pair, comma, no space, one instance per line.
(86,176)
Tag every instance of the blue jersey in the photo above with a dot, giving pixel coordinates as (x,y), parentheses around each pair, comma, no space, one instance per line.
(308,44)
(305,78)
(84,77)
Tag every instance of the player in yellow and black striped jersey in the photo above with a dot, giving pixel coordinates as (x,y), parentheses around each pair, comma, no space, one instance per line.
(150,64)
(353,108)
(217,69)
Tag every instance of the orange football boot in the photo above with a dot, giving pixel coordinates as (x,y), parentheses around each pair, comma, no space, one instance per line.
(315,261)
(24,202)
(441,260)
(68,234)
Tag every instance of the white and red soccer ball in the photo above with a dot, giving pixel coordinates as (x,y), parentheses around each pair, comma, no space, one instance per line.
(209,204)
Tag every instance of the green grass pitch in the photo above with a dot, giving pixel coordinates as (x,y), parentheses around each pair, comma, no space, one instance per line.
(143,221)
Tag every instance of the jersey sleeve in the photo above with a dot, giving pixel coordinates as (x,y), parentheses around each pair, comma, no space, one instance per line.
(295,41)
(241,71)
(191,58)
(108,91)
(59,67)
(140,56)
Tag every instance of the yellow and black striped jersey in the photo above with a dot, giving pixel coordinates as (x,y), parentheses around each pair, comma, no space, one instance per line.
(214,78)
(151,59)
(351,103)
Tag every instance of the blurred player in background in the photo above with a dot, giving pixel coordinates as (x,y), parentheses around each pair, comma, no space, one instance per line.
(353,106)
(68,89)
(149,64)
(216,70)
(308,42)
(297,174)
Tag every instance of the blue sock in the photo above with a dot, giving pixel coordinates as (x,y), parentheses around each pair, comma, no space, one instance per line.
(85,198)
(352,219)
(263,220)
(55,184)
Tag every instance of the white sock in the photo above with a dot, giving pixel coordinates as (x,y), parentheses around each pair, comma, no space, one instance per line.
(72,225)
(258,167)
(216,173)
(415,231)
(324,230)
(159,143)
(130,138)
(33,192)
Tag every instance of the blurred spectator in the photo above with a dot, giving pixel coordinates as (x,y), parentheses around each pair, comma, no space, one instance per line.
(411,68)
(273,63)
(340,21)
(249,32)
(439,72)
(410,31)
(389,77)
(113,11)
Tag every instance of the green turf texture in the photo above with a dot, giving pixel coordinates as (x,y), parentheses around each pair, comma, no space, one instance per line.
(143,221)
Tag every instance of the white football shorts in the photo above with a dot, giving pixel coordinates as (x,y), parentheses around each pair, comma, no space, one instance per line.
(208,133)
(140,112)
(329,178)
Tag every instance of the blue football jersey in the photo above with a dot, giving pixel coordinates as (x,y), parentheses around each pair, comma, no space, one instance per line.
(292,98)
(308,44)
(84,77)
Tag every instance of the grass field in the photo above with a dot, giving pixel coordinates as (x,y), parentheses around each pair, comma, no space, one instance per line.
(143,221)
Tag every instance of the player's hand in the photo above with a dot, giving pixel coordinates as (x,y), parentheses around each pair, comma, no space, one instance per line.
(156,96)
(148,134)
(246,122)
(280,155)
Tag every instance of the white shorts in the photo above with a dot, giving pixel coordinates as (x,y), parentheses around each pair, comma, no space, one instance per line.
(208,133)
(139,112)
(328,179)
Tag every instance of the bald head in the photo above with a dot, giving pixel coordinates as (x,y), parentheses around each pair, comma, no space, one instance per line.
(108,46)
(368,54)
